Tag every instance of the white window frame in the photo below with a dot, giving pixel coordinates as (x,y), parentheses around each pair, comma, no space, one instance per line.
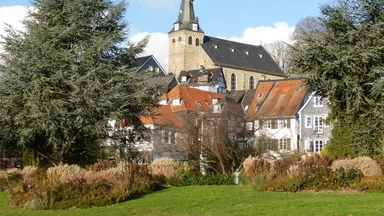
(183,79)
(282,144)
(267,124)
(256,125)
(157,69)
(194,27)
(310,121)
(176,102)
(318,145)
(216,108)
(282,123)
(318,101)
(249,126)
(318,124)
(150,68)
(177,27)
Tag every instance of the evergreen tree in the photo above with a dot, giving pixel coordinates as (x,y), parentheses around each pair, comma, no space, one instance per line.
(66,75)
(344,61)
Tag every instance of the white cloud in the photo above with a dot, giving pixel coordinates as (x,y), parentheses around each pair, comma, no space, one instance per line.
(158,4)
(157,46)
(281,31)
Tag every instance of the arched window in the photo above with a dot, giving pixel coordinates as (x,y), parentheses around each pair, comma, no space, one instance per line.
(233,82)
(173,40)
(197,42)
(251,83)
(190,40)
(179,39)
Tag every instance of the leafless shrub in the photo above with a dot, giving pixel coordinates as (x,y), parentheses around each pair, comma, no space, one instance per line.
(254,166)
(64,172)
(28,172)
(166,167)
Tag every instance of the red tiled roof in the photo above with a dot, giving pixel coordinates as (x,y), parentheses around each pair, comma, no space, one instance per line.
(262,90)
(190,97)
(284,99)
(163,116)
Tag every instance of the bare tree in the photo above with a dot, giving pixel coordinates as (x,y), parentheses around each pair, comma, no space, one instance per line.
(279,51)
(309,25)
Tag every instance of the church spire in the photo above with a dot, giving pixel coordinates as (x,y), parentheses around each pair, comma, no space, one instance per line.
(187,19)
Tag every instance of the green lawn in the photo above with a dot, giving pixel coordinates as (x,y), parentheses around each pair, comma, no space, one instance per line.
(227,200)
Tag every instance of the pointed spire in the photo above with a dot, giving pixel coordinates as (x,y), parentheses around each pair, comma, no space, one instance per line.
(187,19)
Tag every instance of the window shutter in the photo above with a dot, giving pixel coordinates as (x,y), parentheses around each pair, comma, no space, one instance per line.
(288,123)
(275,144)
(289,144)
(274,123)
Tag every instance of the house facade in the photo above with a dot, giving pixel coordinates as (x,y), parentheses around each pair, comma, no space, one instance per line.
(204,79)
(243,65)
(314,131)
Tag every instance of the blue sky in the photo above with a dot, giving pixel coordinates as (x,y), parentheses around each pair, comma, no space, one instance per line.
(248,21)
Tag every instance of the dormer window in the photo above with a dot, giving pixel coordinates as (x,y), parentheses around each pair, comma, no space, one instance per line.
(176,102)
(246,53)
(163,102)
(194,27)
(157,69)
(232,50)
(150,68)
(183,79)
(214,101)
(199,104)
(216,47)
(246,108)
(177,27)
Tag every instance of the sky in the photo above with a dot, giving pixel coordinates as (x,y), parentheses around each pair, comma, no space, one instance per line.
(249,21)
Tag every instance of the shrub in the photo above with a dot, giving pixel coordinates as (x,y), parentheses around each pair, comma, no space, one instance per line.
(283,184)
(8,178)
(166,167)
(254,166)
(370,184)
(199,179)
(62,172)
(308,164)
(103,165)
(380,160)
(259,181)
(28,172)
(366,165)
(281,167)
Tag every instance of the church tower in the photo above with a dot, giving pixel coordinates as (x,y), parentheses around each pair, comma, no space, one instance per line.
(185,40)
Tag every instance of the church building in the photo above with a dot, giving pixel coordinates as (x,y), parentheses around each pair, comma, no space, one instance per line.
(243,65)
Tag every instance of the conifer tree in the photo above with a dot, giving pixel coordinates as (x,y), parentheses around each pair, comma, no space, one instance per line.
(344,61)
(67,74)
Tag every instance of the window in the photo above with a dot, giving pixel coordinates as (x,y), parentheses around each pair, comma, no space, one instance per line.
(172,137)
(318,124)
(197,42)
(199,104)
(318,145)
(282,123)
(318,101)
(176,102)
(251,83)
(150,68)
(268,124)
(183,79)
(194,27)
(250,126)
(163,102)
(173,40)
(220,78)
(216,108)
(177,27)
(308,122)
(180,39)
(190,40)
(165,136)
(233,82)
(260,95)
(157,69)
(282,144)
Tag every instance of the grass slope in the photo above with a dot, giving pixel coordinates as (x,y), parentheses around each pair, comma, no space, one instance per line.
(226,200)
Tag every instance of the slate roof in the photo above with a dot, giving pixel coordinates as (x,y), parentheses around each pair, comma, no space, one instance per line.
(190,99)
(161,82)
(163,115)
(140,61)
(247,99)
(283,100)
(240,56)
(237,96)
(193,76)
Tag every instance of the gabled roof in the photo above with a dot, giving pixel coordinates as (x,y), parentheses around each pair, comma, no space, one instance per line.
(241,56)
(140,61)
(162,82)
(261,92)
(163,115)
(191,99)
(284,99)
(237,96)
(193,76)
